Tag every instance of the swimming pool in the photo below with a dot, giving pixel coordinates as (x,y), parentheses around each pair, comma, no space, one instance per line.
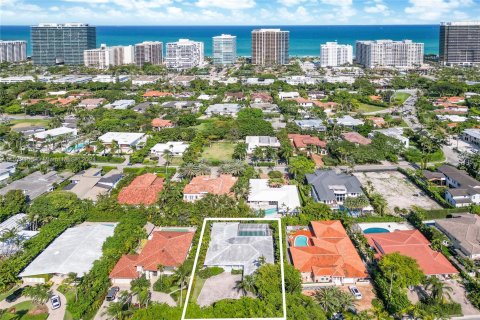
(76,147)
(270,211)
(301,241)
(375,230)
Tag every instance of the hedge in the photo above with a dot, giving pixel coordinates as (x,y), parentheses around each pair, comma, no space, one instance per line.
(210,272)
(443,213)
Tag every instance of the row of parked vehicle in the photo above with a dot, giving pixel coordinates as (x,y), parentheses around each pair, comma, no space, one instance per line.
(54,299)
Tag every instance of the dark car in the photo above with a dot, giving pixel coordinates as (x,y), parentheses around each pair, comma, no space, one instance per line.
(15,295)
(112,293)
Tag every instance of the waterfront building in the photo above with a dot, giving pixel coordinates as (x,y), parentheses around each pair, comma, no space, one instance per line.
(13,51)
(104,56)
(149,51)
(389,53)
(460,43)
(184,54)
(54,44)
(333,54)
(270,46)
(224,49)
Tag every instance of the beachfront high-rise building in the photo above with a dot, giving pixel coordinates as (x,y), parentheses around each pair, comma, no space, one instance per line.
(149,52)
(270,46)
(333,54)
(224,49)
(184,54)
(460,43)
(61,43)
(389,53)
(104,57)
(13,51)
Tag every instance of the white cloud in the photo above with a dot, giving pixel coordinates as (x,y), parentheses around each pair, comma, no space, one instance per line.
(377,7)
(291,3)
(128,4)
(174,10)
(339,3)
(226,4)
(433,10)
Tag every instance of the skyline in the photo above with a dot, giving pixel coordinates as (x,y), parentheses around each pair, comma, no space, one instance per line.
(241,13)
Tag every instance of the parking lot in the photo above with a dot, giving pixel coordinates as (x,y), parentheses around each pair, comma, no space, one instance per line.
(397,190)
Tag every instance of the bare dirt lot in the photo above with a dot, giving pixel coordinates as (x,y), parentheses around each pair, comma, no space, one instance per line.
(397,190)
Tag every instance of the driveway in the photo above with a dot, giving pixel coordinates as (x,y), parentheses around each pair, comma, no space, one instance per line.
(218,288)
(458,295)
(59,313)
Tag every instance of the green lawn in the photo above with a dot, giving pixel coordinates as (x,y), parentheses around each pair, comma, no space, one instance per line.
(400,97)
(199,282)
(21,123)
(22,309)
(363,107)
(219,151)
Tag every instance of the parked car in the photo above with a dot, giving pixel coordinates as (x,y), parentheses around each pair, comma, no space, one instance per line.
(55,300)
(356,293)
(112,293)
(15,295)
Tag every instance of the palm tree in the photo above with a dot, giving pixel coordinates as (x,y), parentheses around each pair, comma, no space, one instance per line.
(379,203)
(10,237)
(161,269)
(438,289)
(71,281)
(167,155)
(247,284)
(181,274)
(99,148)
(38,293)
(188,170)
(115,310)
(262,260)
(271,154)
(114,147)
(328,299)
(203,169)
(258,154)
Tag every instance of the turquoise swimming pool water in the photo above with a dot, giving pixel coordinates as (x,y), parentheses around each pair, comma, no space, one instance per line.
(76,147)
(270,211)
(301,241)
(375,230)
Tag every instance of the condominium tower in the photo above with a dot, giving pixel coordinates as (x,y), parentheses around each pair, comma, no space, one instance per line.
(104,56)
(149,52)
(389,53)
(270,46)
(184,54)
(13,51)
(61,43)
(224,49)
(333,54)
(460,43)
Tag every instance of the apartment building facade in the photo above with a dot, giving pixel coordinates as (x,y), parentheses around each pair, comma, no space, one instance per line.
(389,53)
(460,43)
(13,51)
(333,54)
(104,57)
(224,49)
(149,52)
(184,54)
(270,46)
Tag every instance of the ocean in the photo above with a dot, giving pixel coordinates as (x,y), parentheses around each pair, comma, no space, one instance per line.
(304,40)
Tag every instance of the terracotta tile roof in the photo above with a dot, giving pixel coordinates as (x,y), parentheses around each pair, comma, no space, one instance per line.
(302,141)
(161,123)
(329,252)
(413,244)
(207,184)
(375,98)
(263,96)
(356,137)
(325,105)
(455,99)
(156,94)
(378,121)
(168,248)
(144,189)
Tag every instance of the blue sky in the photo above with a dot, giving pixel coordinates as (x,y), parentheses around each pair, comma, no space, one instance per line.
(237,12)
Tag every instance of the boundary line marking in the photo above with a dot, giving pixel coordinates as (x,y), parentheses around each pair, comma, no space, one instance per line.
(282,272)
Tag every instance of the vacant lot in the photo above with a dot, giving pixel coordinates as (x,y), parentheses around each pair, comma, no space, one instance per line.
(400,97)
(397,190)
(363,107)
(22,123)
(220,151)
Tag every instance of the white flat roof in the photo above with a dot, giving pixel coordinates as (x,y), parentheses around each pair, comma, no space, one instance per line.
(286,196)
(121,137)
(75,250)
(55,132)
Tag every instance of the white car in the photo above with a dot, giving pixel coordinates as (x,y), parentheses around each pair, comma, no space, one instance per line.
(356,293)
(55,300)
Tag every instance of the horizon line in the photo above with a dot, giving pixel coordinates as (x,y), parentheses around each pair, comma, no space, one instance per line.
(232,25)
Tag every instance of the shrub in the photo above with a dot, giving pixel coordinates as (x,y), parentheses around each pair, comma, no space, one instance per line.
(164,283)
(275,175)
(210,272)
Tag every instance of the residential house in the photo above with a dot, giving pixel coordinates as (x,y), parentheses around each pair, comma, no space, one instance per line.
(346,121)
(332,188)
(355,137)
(471,136)
(413,244)
(199,186)
(41,137)
(259,81)
(159,124)
(90,184)
(273,200)
(142,80)
(142,107)
(120,104)
(18,222)
(302,102)
(464,232)
(143,190)
(29,130)
(378,122)
(288,95)
(193,106)
(127,141)
(223,109)
(36,184)
(165,248)
(308,143)
(266,107)
(261,141)
(311,124)
(239,246)
(324,253)
(396,133)
(90,104)
(156,94)
(176,148)
(234,96)
(7,169)
(316,95)
(463,190)
(261,97)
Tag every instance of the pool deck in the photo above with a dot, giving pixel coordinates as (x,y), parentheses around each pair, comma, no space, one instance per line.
(390,226)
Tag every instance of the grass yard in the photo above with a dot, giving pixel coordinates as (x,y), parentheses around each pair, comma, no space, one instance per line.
(400,97)
(21,312)
(199,282)
(363,107)
(22,123)
(219,151)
